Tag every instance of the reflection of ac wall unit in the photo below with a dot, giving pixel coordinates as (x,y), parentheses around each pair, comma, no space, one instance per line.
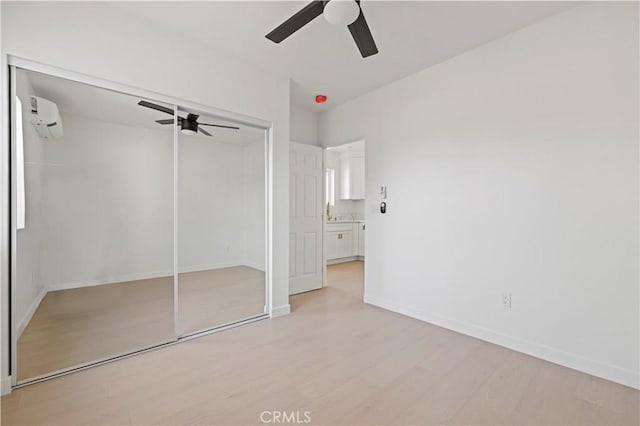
(45,117)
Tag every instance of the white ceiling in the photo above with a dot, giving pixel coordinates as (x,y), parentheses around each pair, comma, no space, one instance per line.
(323,59)
(105,105)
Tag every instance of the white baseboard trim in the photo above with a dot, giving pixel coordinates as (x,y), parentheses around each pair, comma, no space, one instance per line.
(344,259)
(207,267)
(280,311)
(113,280)
(254,265)
(5,385)
(557,356)
(144,276)
(22,324)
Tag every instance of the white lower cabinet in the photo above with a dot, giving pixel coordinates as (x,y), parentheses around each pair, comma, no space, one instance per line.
(343,240)
(345,244)
(331,244)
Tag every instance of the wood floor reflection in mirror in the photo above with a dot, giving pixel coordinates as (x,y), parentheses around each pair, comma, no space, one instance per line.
(80,325)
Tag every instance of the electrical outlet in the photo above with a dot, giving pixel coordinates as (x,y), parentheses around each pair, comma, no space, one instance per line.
(506,300)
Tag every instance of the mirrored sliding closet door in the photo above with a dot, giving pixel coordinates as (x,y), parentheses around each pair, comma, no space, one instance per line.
(221,222)
(93,213)
(136,223)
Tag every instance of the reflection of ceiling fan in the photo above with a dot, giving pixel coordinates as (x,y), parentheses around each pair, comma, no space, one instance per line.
(336,12)
(188,125)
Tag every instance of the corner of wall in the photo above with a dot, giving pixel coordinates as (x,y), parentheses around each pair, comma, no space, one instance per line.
(4,228)
(24,321)
(280,311)
(303,125)
(322,120)
(5,385)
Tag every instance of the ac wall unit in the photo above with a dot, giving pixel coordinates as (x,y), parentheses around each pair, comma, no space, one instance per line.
(45,117)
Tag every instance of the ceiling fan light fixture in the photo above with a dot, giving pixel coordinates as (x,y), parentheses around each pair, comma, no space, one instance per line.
(341,12)
(189,127)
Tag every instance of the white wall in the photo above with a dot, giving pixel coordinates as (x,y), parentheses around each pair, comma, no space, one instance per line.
(211,201)
(303,125)
(513,167)
(102,42)
(105,205)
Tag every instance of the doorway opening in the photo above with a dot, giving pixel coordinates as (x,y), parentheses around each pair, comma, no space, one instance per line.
(345,226)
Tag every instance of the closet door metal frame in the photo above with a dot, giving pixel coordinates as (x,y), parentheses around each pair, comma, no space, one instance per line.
(9,239)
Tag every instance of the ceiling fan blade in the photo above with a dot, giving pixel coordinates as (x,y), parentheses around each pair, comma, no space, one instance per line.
(203,131)
(219,125)
(167,121)
(362,35)
(297,21)
(156,107)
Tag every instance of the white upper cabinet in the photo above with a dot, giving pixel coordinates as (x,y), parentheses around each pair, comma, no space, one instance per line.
(351,176)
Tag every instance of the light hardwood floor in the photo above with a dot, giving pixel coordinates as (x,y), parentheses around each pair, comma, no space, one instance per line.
(75,326)
(343,361)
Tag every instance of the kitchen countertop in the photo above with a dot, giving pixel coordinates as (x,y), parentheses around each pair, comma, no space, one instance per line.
(346,221)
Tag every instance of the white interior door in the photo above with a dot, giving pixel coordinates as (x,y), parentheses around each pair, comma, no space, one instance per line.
(305,218)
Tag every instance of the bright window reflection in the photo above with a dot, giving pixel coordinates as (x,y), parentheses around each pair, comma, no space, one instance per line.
(19,167)
(330,185)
